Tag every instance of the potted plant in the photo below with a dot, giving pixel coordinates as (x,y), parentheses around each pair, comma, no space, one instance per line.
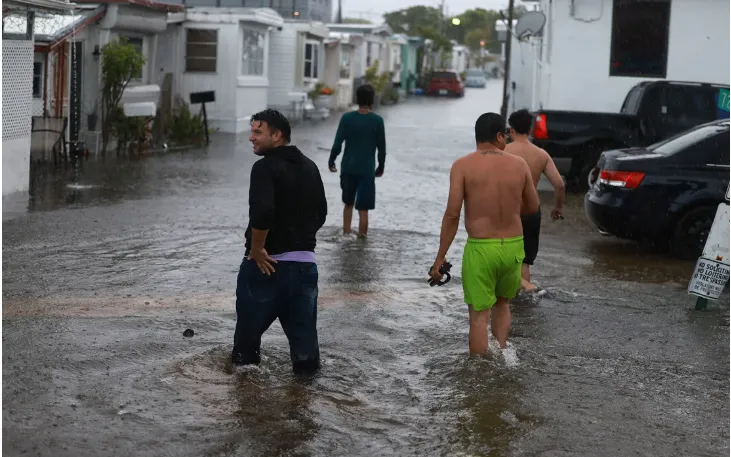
(321,96)
(379,85)
(379,82)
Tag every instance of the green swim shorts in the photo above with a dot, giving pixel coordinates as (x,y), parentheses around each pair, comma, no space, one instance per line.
(491,269)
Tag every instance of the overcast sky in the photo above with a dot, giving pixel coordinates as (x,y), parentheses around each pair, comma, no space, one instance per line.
(373,9)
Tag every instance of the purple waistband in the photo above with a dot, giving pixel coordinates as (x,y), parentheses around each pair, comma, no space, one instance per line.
(295,256)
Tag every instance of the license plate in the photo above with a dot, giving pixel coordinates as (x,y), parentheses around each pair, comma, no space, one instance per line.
(442,91)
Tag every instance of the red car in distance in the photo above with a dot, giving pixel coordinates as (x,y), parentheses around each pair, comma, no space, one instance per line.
(445,82)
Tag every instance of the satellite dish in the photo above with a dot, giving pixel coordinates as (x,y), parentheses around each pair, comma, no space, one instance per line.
(530,24)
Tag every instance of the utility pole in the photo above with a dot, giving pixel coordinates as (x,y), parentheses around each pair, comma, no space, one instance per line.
(506,73)
(339,17)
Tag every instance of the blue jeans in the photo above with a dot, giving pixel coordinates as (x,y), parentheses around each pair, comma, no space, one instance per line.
(290,294)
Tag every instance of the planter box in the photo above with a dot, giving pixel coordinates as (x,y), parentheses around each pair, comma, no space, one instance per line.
(376,102)
(323,101)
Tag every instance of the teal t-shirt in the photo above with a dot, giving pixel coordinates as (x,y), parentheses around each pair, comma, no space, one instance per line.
(363,135)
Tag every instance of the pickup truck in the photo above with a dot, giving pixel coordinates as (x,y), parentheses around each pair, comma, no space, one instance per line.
(652,111)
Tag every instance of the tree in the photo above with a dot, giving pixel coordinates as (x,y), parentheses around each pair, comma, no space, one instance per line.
(355,20)
(440,41)
(474,37)
(473,19)
(120,63)
(519,11)
(409,19)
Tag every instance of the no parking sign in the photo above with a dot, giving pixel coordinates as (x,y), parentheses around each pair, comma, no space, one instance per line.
(712,269)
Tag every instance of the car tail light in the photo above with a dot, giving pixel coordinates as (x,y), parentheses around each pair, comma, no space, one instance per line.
(626,179)
(540,129)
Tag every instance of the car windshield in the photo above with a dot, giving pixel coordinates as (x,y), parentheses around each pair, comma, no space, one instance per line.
(444,75)
(475,73)
(677,143)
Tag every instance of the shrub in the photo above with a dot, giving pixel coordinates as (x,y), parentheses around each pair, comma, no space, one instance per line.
(186,128)
(320,89)
(391,95)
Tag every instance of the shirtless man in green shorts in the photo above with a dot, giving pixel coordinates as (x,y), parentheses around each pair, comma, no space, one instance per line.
(496,189)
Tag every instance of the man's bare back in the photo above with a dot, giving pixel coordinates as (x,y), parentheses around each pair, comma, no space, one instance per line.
(496,187)
(539,163)
(536,158)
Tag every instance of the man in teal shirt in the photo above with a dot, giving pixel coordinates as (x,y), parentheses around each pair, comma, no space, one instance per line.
(363,133)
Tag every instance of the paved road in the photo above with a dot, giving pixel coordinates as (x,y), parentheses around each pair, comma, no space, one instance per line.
(103,273)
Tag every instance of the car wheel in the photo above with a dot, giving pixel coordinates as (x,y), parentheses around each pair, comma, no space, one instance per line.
(584,177)
(593,177)
(591,157)
(691,232)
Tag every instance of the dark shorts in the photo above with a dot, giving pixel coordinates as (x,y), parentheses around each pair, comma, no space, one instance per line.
(531,233)
(290,294)
(359,190)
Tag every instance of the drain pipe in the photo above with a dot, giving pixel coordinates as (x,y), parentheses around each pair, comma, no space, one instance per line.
(107,23)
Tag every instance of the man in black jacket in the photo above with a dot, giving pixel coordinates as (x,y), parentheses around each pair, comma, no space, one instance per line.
(278,276)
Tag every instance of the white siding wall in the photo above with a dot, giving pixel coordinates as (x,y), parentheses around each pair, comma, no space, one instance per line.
(221,113)
(359,60)
(170,56)
(252,92)
(523,58)
(282,62)
(331,76)
(579,53)
(236,97)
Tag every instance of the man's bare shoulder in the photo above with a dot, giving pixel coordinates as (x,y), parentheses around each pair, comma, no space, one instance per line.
(544,153)
(464,161)
(515,158)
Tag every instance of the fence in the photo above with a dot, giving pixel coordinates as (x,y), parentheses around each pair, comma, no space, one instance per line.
(17,76)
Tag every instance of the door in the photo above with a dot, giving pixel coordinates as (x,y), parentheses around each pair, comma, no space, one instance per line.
(652,113)
(688,106)
(701,167)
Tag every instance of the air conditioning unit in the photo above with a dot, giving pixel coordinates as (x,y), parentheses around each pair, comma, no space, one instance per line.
(297,97)
(140,94)
(143,109)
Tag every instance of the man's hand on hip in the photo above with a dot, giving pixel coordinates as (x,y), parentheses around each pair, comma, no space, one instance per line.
(263,260)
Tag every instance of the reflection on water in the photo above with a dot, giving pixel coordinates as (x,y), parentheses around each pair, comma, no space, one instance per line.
(489,401)
(274,416)
(109,180)
(125,256)
(631,261)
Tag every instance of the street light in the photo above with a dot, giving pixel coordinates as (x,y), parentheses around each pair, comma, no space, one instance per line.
(456,21)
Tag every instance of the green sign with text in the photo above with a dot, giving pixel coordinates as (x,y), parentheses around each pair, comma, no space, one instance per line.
(723,99)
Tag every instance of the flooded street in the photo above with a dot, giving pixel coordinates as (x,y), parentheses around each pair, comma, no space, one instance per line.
(103,272)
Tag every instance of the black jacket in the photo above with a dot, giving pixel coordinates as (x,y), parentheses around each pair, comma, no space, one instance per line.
(286,197)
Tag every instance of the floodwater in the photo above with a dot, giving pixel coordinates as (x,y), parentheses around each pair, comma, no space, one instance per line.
(103,271)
